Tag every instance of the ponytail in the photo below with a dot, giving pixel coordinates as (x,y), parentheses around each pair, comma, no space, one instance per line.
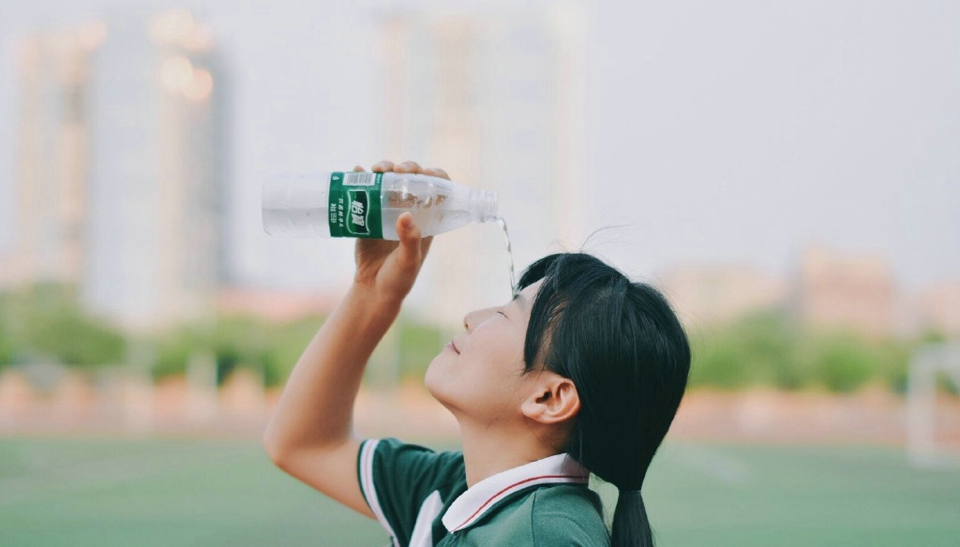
(631,528)
(627,354)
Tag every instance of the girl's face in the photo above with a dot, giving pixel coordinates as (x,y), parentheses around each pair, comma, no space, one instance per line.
(479,374)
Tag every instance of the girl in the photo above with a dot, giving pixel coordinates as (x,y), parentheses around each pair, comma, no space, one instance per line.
(581,373)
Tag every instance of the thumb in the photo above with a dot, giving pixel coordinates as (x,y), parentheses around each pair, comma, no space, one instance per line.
(410,236)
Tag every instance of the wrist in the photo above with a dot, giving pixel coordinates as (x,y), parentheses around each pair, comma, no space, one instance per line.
(368,299)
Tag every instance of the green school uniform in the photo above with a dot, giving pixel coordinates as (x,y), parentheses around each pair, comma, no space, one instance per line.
(421,498)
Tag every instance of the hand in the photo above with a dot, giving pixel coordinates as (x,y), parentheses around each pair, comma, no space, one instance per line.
(389,268)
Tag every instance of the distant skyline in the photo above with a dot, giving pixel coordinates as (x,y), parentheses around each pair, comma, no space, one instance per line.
(733,133)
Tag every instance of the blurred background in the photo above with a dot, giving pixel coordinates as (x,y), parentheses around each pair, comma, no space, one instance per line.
(788,174)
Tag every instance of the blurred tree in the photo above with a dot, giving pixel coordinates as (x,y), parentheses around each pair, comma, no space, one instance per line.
(420,342)
(944,382)
(46,320)
(769,349)
(6,346)
(75,340)
(844,362)
(893,359)
(766,348)
(239,341)
(760,349)
(718,363)
(284,345)
(175,348)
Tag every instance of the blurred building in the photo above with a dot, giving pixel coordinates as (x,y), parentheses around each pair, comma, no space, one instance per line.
(495,97)
(54,151)
(122,166)
(938,309)
(718,293)
(837,290)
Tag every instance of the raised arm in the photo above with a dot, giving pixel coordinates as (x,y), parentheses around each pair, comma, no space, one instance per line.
(310,435)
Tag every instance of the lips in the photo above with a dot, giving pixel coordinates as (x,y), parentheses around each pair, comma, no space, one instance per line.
(453,346)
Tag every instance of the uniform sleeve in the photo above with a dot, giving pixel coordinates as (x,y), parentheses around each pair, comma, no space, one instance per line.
(396,478)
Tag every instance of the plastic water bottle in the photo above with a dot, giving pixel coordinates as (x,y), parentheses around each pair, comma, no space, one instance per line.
(350,204)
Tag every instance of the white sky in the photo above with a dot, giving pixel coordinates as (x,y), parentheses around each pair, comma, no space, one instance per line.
(735,132)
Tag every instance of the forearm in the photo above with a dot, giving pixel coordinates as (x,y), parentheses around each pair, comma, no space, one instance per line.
(316,407)
(310,435)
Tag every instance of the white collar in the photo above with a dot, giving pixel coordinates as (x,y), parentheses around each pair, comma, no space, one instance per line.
(479,498)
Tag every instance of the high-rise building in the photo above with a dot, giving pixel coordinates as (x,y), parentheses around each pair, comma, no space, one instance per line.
(53,155)
(496,98)
(122,166)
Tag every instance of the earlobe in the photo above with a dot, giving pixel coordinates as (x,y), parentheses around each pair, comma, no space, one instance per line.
(554,401)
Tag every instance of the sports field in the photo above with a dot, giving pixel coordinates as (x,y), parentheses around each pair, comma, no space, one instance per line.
(185,492)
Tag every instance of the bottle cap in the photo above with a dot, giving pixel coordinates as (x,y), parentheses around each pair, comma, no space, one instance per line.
(486,205)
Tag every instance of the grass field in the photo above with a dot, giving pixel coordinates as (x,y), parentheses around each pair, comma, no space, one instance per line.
(162,492)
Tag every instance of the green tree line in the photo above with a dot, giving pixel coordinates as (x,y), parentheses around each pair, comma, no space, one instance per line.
(47,323)
(771,349)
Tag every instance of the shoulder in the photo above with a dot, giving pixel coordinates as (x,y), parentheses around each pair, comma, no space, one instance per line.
(568,515)
(408,471)
(549,516)
(392,452)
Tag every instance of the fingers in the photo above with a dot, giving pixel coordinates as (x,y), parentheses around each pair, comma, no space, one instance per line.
(411,252)
(381,166)
(436,172)
(358,169)
(406,167)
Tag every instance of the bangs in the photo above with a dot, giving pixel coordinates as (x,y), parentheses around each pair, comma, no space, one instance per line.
(577,289)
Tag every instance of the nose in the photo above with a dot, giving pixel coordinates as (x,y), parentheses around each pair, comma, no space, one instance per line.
(474,318)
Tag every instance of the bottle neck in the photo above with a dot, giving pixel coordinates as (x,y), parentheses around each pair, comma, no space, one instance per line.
(483,204)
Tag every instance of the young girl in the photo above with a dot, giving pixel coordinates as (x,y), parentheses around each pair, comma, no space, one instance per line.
(581,373)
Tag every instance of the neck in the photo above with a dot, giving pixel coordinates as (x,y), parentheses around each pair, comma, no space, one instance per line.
(488,451)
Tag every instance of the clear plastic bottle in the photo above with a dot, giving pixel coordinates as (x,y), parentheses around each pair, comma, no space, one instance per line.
(350,204)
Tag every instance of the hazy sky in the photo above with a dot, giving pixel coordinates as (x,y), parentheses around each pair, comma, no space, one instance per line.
(734,132)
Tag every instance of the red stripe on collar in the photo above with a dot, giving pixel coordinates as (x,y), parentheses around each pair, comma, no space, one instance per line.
(479,498)
(541,479)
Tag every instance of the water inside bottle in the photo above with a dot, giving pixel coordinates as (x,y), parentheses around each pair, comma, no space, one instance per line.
(430,221)
(506,237)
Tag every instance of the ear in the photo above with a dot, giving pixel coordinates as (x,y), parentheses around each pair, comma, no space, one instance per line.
(553,400)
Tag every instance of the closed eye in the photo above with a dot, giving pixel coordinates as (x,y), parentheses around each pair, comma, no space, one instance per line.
(501,313)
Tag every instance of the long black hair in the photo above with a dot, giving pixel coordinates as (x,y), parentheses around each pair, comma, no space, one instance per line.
(624,349)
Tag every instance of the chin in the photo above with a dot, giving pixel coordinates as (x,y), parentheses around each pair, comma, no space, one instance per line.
(430,377)
(433,380)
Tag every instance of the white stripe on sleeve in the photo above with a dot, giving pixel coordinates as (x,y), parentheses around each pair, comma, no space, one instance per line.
(368,487)
(422,535)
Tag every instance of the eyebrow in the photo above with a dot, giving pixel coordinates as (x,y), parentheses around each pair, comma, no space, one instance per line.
(521,300)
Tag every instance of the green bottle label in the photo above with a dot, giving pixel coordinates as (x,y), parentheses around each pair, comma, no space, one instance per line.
(355,205)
